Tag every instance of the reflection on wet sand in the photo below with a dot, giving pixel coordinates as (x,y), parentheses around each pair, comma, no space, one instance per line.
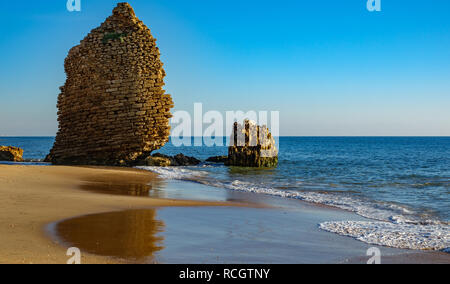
(133,189)
(130,235)
(117,185)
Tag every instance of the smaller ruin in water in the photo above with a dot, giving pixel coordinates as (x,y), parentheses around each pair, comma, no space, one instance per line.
(252,145)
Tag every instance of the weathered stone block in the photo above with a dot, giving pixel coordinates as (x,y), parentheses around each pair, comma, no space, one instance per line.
(11,154)
(158,162)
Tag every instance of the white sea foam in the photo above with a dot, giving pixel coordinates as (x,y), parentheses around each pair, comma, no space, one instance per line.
(399,226)
(406,236)
(178,173)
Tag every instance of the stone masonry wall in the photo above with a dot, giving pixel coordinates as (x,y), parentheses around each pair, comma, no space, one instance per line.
(112,109)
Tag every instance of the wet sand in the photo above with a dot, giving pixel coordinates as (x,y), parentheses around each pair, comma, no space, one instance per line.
(413,257)
(285,232)
(31,197)
(136,234)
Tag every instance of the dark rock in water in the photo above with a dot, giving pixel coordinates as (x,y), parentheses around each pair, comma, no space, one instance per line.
(159,155)
(48,159)
(11,154)
(218,159)
(158,162)
(252,146)
(182,160)
(179,160)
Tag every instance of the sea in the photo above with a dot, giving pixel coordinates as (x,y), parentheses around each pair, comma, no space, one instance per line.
(400,184)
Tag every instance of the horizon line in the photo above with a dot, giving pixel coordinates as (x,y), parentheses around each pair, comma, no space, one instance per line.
(284,136)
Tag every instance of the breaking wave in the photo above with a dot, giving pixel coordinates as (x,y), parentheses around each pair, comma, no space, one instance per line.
(396,226)
(405,236)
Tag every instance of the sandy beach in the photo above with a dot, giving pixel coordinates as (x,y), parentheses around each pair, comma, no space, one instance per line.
(31,197)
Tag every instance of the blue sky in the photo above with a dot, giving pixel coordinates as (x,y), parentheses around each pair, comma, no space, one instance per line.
(330,67)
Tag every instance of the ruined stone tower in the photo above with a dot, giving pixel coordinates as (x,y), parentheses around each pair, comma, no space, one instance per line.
(112,109)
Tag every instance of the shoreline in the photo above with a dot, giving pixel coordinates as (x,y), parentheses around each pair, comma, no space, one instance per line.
(307,216)
(46,196)
(31,197)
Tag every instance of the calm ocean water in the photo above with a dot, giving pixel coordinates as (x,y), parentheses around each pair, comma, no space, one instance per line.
(411,172)
(400,180)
